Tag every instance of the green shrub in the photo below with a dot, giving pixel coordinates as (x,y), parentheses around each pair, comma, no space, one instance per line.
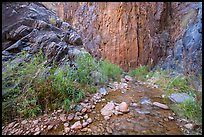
(110,71)
(179,83)
(139,73)
(189,109)
(85,65)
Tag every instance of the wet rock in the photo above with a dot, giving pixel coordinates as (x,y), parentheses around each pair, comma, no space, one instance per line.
(145,101)
(160,105)
(49,127)
(189,126)
(107,110)
(123,107)
(179,97)
(70,117)
(103,91)
(63,117)
(128,78)
(76,125)
(35,122)
(24,122)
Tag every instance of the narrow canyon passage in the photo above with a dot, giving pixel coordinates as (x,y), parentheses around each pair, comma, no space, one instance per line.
(143,118)
(101,68)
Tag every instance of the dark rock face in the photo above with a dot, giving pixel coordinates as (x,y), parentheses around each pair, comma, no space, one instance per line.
(31,27)
(138,33)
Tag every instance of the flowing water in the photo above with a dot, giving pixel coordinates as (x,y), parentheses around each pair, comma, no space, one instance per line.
(143,118)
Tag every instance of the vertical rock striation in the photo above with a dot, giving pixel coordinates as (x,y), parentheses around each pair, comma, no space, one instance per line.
(137,33)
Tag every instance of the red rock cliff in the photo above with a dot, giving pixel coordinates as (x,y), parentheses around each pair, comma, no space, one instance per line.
(128,33)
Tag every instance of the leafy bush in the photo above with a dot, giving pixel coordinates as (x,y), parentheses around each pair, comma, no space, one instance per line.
(189,109)
(110,71)
(85,65)
(139,73)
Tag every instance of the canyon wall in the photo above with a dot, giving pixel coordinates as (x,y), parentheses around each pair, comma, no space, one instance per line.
(138,33)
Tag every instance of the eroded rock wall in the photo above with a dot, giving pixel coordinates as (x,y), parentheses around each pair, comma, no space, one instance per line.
(136,33)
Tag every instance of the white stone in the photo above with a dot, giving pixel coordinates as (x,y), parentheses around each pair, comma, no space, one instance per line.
(76,125)
(189,126)
(63,117)
(160,105)
(50,127)
(35,122)
(66,129)
(66,124)
(24,122)
(107,109)
(89,120)
(86,116)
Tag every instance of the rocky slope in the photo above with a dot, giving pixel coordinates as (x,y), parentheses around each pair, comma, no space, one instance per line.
(139,33)
(32,27)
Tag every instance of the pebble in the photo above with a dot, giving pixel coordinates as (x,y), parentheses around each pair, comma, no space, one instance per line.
(109,130)
(86,116)
(70,117)
(128,78)
(50,127)
(16,125)
(66,124)
(76,125)
(24,122)
(171,118)
(133,104)
(84,129)
(189,126)
(35,122)
(89,120)
(76,117)
(89,130)
(11,124)
(166,119)
(160,105)
(93,106)
(37,133)
(27,132)
(37,129)
(85,124)
(106,118)
(78,114)
(84,110)
(59,111)
(123,107)
(66,129)
(63,117)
